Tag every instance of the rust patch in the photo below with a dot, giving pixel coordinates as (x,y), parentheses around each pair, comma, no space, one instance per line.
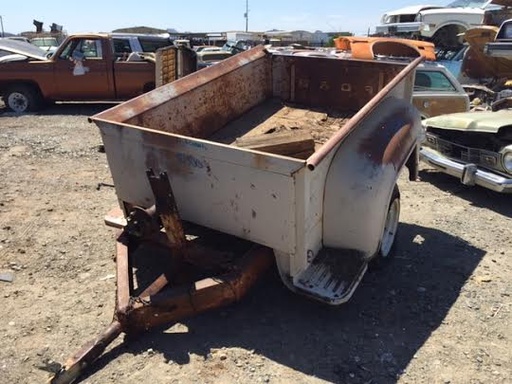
(334,83)
(398,146)
(388,143)
(322,152)
(135,111)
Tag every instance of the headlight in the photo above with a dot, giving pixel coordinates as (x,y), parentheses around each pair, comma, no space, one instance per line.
(506,158)
(419,17)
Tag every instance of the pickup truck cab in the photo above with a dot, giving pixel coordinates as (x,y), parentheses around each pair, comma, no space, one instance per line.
(501,46)
(207,58)
(441,25)
(83,68)
(126,43)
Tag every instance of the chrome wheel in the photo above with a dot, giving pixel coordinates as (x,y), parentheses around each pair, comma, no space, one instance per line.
(390,227)
(22,98)
(18,102)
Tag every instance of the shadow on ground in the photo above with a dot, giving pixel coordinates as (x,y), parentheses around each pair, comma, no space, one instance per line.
(478,196)
(66,109)
(373,337)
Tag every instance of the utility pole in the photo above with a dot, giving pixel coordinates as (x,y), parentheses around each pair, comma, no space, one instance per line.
(246,15)
(2,24)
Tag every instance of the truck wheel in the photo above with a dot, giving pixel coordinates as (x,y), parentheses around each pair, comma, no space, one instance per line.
(387,241)
(22,98)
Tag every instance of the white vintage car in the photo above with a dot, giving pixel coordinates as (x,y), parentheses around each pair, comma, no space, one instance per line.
(441,25)
(475,147)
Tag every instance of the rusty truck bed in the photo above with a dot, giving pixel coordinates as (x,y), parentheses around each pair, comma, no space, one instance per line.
(274,116)
(178,154)
(189,128)
(247,93)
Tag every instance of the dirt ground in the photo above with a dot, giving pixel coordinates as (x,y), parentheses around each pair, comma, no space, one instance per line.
(439,313)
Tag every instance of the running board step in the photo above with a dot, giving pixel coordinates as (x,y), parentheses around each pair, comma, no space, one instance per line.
(333,275)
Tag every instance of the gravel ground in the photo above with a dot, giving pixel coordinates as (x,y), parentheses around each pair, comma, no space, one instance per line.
(439,313)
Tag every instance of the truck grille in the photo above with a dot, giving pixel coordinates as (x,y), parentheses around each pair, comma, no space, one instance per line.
(482,157)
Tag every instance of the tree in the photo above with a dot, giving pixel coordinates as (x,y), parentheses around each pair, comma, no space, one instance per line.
(334,35)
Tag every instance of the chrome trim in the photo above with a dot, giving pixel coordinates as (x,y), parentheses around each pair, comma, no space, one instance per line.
(467,155)
(399,27)
(481,177)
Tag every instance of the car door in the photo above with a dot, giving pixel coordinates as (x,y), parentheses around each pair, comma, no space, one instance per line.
(82,71)
(437,92)
(133,78)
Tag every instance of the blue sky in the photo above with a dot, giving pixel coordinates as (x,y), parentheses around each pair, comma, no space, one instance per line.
(201,15)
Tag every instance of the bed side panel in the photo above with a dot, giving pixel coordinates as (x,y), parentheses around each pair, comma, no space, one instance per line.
(345,85)
(243,193)
(199,104)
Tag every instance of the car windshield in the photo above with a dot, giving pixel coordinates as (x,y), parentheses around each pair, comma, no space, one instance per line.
(468,4)
(215,56)
(45,42)
(432,81)
(151,45)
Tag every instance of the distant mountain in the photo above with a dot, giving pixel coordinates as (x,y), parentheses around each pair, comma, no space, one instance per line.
(147,30)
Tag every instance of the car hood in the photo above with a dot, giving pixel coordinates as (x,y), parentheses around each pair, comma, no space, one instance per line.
(453,11)
(22,48)
(12,57)
(484,121)
(411,10)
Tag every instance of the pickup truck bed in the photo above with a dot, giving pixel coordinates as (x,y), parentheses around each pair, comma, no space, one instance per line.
(275,116)
(174,156)
(332,202)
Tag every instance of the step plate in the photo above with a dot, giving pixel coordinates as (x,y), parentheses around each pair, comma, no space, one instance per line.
(333,276)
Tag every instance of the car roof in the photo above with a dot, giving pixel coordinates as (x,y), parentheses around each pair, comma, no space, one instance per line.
(431,65)
(144,35)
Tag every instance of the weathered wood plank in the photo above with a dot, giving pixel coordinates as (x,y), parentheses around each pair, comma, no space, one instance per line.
(286,143)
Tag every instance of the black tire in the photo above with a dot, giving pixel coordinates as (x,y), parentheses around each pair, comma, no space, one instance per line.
(446,38)
(387,242)
(148,87)
(22,98)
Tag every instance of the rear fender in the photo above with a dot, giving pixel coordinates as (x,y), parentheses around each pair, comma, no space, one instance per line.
(363,173)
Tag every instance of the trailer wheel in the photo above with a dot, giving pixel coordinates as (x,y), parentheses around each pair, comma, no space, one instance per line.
(22,98)
(387,241)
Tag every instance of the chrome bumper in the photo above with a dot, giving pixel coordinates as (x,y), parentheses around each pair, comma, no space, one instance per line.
(394,28)
(468,174)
